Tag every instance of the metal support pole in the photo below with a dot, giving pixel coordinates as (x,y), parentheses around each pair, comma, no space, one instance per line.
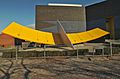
(111,50)
(93,54)
(16,53)
(94,50)
(77,52)
(103,52)
(44,51)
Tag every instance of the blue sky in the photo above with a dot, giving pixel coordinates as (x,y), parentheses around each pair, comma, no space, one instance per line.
(23,11)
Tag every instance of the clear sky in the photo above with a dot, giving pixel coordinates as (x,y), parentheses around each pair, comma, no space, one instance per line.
(23,11)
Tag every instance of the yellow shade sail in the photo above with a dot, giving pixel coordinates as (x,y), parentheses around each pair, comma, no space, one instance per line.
(86,36)
(18,31)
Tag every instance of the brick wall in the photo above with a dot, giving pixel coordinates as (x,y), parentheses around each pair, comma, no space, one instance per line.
(6,40)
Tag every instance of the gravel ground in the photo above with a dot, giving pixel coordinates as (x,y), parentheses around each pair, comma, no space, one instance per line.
(61,68)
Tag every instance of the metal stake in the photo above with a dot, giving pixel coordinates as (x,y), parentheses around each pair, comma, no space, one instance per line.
(111,51)
(103,52)
(77,52)
(16,53)
(44,51)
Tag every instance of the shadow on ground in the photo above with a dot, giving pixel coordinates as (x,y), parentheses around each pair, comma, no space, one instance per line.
(65,68)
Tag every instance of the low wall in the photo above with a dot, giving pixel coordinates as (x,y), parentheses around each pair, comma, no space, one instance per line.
(11,53)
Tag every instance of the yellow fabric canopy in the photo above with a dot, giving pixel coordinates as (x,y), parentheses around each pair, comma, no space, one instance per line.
(18,31)
(86,36)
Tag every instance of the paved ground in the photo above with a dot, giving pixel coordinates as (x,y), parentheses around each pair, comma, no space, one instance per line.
(61,68)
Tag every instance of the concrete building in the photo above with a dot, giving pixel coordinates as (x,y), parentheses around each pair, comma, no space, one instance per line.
(105,15)
(72,18)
